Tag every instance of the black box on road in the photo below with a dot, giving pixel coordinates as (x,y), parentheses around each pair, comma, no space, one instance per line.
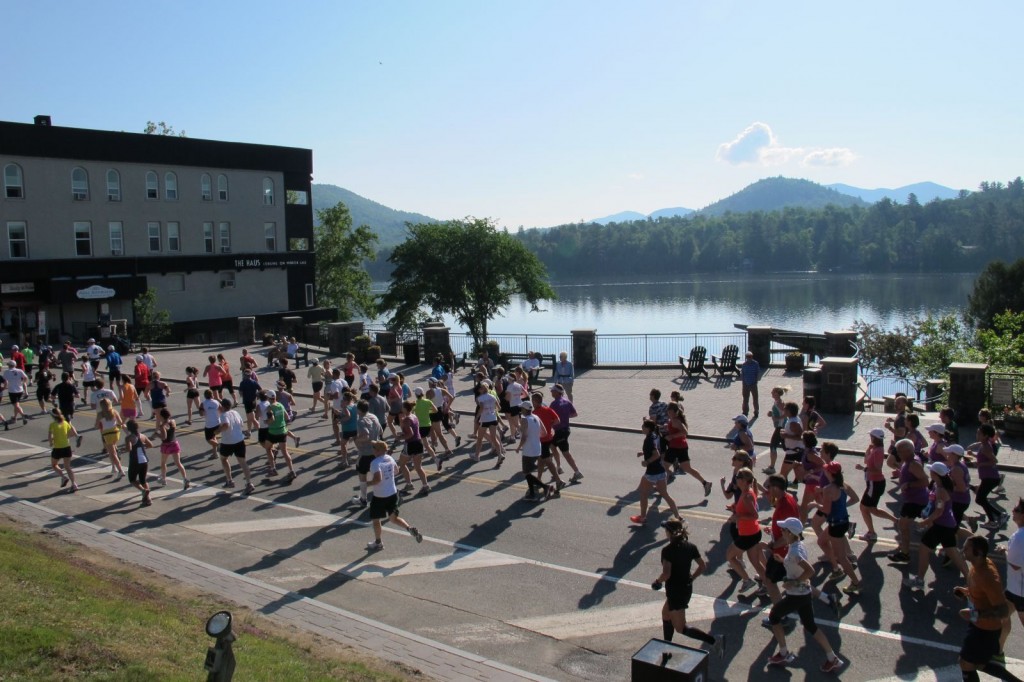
(661,661)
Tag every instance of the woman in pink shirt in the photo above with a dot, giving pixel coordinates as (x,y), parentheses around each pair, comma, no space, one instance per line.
(874,477)
(215,376)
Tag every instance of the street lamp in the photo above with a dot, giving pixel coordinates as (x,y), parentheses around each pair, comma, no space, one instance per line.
(220,659)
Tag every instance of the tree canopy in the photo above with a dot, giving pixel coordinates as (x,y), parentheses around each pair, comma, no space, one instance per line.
(341,280)
(466,268)
(999,288)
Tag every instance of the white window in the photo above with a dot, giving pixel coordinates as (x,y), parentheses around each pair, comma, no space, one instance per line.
(268,192)
(116,238)
(270,235)
(14,182)
(206,187)
(83,239)
(227,280)
(208,237)
(175,282)
(17,240)
(154,236)
(225,237)
(222,187)
(152,185)
(173,237)
(79,184)
(309,295)
(113,185)
(170,186)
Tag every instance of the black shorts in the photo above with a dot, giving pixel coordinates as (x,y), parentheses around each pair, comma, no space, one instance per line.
(350,379)
(979,645)
(43,393)
(873,494)
(545,450)
(910,510)
(489,424)
(363,464)
(349,435)
(793,456)
(678,597)
(210,433)
(435,417)
(68,410)
(1016,600)
(774,570)
(318,386)
(159,405)
(801,604)
(88,384)
(746,542)
(137,472)
(277,437)
(673,455)
(383,507)
(529,464)
(939,535)
(262,435)
(249,406)
(515,410)
(959,509)
(191,394)
(60,453)
(561,439)
(414,448)
(236,449)
(228,386)
(114,374)
(95,363)
(424,431)
(15,397)
(838,530)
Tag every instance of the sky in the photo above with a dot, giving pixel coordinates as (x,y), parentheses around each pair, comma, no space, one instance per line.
(545,112)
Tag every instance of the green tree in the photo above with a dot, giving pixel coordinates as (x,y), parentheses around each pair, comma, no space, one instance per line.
(161,128)
(999,287)
(1002,346)
(342,281)
(151,323)
(466,268)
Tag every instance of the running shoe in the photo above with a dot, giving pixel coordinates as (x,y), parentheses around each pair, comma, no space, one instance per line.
(298,440)
(408,488)
(769,470)
(789,621)
(833,602)
(1004,518)
(361,501)
(913,582)
(972,523)
(530,496)
(289,478)
(779,658)
(458,441)
(853,530)
(577,477)
(501,460)
(639,520)
(73,489)
(707,488)
(898,557)
(24,421)
(992,525)
(186,484)
(416,534)
(869,537)
(119,476)
(837,574)
(553,491)
(146,502)
(229,485)
(671,479)
(747,584)
(249,488)
(160,481)
(560,470)
(375,546)
(999,488)
(832,666)
(718,648)
(853,589)
(424,491)
(64,481)
(78,442)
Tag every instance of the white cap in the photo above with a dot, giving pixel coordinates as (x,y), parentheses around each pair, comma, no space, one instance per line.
(936,428)
(957,450)
(91,341)
(13,348)
(877,433)
(741,418)
(938,468)
(793,525)
(110,348)
(271,394)
(417,391)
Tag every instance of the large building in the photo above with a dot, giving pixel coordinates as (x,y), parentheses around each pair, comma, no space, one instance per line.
(90,219)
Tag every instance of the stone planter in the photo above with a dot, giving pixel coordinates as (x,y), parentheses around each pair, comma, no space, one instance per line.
(1013,426)
(794,363)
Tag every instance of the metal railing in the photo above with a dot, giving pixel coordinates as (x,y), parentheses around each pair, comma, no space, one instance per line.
(662,349)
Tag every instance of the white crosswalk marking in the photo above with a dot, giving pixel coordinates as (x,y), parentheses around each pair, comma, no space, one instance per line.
(13,448)
(312,520)
(949,673)
(457,561)
(130,494)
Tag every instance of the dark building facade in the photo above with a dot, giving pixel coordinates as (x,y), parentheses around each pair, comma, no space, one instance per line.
(90,219)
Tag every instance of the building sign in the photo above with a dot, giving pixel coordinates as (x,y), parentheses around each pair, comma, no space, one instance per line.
(94,292)
(1002,392)
(261,262)
(17,288)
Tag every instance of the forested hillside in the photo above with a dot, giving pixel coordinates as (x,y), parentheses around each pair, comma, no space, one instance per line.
(954,235)
(387,223)
(775,194)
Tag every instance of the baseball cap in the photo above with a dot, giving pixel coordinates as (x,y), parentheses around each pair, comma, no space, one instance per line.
(938,468)
(110,348)
(957,450)
(877,433)
(793,525)
(527,406)
(558,387)
(417,391)
(741,418)
(271,394)
(936,428)
(13,348)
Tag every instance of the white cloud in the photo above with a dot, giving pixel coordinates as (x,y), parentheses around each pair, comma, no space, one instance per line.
(758,144)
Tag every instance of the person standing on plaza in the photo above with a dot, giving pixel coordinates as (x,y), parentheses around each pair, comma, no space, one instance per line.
(17,381)
(368,432)
(114,363)
(565,411)
(655,477)
(564,373)
(386,500)
(232,436)
(874,481)
(913,482)
(986,610)
(59,438)
(138,462)
(750,374)
(170,447)
(798,598)
(677,575)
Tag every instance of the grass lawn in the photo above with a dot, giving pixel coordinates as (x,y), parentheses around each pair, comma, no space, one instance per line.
(67,612)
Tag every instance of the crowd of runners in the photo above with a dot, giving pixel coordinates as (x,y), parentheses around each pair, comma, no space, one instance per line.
(375,415)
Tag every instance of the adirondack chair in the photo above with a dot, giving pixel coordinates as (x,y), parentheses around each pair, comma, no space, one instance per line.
(726,364)
(695,363)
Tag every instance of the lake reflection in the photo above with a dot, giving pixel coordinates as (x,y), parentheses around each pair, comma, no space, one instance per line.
(804,302)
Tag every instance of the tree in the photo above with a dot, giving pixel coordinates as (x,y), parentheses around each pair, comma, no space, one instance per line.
(466,268)
(341,280)
(161,128)
(151,323)
(999,287)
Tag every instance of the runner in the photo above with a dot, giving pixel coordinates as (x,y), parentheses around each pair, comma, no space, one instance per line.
(792,443)
(678,452)
(158,392)
(487,423)
(214,377)
(748,532)
(1015,570)
(677,559)
(549,419)
(232,443)
(655,477)
(778,415)
(336,388)
(385,496)
(66,394)
(874,478)
(395,399)
(44,389)
(278,433)
(17,381)
(249,388)
(109,424)
(210,410)
(287,400)
(961,493)
(798,599)
(436,396)
(350,369)
(348,417)
(287,375)
(988,472)
(59,437)
(533,429)
(368,431)
(191,392)
(940,527)
(141,377)
(413,449)
(129,399)
(114,363)
(514,393)
(138,463)
(94,353)
(565,411)
(810,418)
(315,374)
(148,359)
(425,411)
(913,491)
(246,361)
(170,447)
(88,378)
(836,497)
(228,381)
(67,357)
(100,392)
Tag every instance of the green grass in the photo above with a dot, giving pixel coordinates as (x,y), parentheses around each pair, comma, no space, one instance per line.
(66,613)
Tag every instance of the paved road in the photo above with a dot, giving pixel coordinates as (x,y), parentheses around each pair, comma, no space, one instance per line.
(559,588)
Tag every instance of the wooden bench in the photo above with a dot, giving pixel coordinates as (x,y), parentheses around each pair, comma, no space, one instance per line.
(534,376)
(695,363)
(726,364)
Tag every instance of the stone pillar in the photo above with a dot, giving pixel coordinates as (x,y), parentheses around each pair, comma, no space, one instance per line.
(435,342)
(311,334)
(838,385)
(759,342)
(387,343)
(967,390)
(584,349)
(839,344)
(246,330)
(292,326)
(932,390)
(338,339)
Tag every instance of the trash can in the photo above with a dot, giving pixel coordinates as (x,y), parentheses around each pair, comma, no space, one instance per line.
(812,384)
(411,352)
(661,661)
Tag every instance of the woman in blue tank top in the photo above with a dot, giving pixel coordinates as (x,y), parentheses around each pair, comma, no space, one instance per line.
(835,499)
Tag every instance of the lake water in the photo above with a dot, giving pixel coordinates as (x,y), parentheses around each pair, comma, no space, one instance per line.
(802,302)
